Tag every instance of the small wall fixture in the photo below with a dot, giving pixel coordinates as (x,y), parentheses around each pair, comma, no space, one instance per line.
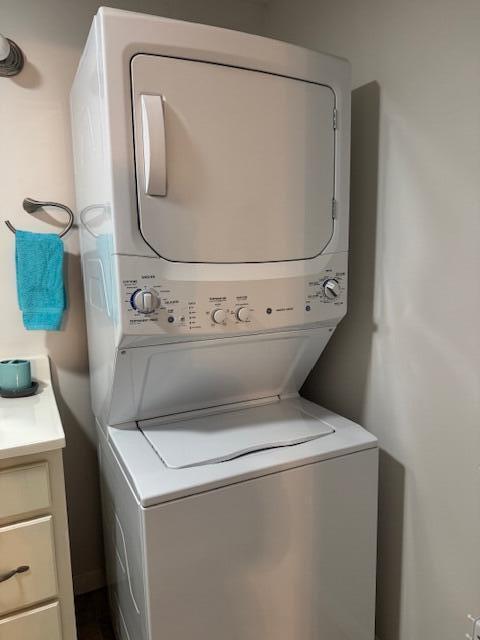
(30,206)
(11,58)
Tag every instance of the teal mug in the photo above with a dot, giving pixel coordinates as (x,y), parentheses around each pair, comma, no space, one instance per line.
(15,375)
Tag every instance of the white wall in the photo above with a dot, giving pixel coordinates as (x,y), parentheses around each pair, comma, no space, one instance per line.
(36,161)
(406,361)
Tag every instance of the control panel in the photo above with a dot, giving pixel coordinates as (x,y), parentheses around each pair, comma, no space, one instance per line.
(151,304)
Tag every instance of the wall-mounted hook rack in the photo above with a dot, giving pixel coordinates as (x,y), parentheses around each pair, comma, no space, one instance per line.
(30,206)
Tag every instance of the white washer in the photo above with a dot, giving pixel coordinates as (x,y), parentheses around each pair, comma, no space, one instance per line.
(212,180)
(276,543)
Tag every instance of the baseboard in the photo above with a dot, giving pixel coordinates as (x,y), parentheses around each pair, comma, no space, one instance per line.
(89,581)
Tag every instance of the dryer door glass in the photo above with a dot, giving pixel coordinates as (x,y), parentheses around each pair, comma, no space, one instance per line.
(232,165)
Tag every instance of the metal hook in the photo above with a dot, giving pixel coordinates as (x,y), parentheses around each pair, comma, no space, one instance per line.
(30,206)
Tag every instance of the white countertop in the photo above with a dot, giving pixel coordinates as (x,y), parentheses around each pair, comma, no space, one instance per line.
(31,425)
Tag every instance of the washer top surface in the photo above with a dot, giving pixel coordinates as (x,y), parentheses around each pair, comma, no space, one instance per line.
(214,439)
(155,483)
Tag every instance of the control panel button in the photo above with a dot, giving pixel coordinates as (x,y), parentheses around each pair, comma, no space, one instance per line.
(145,301)
(243,314)
(219,316)
(331,289)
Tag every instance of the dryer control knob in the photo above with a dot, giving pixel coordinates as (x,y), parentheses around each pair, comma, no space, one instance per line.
(243,314)
(145,301)
(331,289)
(219,316)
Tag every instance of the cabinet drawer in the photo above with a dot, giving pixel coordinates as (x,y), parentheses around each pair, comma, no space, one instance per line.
(37,624)
(27,543)
(24,489)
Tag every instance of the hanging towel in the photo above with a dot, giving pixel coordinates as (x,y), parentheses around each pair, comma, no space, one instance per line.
(40,290)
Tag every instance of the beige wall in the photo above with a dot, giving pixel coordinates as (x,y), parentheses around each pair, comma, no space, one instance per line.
(406,361)
(36,161)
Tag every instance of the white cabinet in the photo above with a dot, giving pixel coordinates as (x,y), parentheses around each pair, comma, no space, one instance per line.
(36,603)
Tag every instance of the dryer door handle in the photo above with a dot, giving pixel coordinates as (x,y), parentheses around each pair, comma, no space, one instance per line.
(154,149)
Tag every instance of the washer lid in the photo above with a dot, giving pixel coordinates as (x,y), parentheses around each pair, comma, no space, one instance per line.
(213,439)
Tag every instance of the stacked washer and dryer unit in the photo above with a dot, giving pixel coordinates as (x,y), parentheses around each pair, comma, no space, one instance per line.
(212,177)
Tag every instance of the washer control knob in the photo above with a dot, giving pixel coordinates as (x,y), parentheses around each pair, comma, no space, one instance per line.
(243,314)
(219,316)
(145,300)
(331,289)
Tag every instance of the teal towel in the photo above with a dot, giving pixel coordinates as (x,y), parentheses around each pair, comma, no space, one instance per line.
(40,290)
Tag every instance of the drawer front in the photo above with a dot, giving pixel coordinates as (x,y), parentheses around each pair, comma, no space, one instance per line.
(24,489)
(37,624)
(27,543)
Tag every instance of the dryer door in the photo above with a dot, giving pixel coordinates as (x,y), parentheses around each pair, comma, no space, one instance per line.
(232,165)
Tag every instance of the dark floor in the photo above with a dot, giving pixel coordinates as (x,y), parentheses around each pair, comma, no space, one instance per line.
(93,618)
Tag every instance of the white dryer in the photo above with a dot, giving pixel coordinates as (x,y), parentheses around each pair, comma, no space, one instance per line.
(211,170)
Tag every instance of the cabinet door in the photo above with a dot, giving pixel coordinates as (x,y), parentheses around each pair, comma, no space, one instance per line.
(232,165)
(24,489)
(29,544)
(36,624)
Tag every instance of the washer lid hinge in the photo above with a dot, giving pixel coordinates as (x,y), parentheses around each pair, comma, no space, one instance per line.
(334,209)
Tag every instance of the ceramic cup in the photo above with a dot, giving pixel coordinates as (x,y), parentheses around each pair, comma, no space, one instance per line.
(15,375)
